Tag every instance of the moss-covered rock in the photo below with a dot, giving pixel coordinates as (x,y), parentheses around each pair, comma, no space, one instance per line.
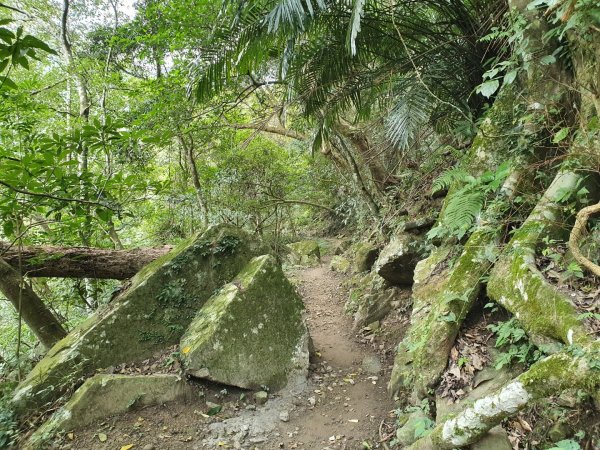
(398,259)
(250,334)
(152,313)
(340,264)
(341,246)
(372,299)
(107,395)
(305,253)
(363,256)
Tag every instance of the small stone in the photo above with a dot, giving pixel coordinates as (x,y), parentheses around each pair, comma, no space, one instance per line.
(149,447)
(251,407)
(261,397)
(284,416)
(312,401)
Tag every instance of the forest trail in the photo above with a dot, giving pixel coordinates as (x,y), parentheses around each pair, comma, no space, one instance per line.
(342,406)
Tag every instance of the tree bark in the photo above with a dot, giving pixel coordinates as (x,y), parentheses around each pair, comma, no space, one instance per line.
(30,307)
(79,262)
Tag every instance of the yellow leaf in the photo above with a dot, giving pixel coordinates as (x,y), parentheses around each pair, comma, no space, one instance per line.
(71,436)
(185,350)
(127,447)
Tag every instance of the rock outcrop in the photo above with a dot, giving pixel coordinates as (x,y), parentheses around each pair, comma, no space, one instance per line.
(106,395)
(151,314)
(251,333)
(397,261)
(305,253)
(363,256)
(372,299)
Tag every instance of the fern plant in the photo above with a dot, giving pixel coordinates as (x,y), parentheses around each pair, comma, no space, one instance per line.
(466,203)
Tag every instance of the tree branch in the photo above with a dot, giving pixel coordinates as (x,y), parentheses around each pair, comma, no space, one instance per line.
(54,197)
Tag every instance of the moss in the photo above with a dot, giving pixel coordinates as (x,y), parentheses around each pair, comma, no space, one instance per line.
(516,284)
(251,333)
(106,395)
(305,253)
(563,371)
(364,255)
(339,264)
(445,302)
(151,314)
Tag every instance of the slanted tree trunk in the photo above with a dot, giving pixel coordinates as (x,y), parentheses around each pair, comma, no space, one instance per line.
(30,307)
(79,262)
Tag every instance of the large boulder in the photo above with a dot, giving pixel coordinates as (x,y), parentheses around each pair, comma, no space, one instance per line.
(106,395)
(251,333)
(364,255)
(151,314)
(397,261)
(305,253)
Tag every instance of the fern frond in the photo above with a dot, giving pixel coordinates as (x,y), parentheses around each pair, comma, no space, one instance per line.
(462,209)
(447,178)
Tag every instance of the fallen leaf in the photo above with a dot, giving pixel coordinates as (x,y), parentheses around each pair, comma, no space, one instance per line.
(71,436)
(102,437)
(127,447)
(185,350)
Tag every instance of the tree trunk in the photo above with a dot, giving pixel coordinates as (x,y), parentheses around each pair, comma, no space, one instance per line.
(382,178)
(79,262)
(30,307)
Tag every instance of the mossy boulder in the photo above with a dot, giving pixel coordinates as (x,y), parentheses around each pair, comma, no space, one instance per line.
(364,255)
(106,395)
(372,299)
(252,333)
(340,264)
(151,314)
(398,259)
(305,253)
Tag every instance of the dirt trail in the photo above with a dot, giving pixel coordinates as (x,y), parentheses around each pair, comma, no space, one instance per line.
(352,403)
(343,404)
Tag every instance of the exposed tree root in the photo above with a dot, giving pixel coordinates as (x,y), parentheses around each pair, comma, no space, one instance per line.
(518,285)
(577,234)
(544,379)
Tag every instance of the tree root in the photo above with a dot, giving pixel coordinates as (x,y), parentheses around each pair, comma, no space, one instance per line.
(518,285)
(577,234)
(544,379)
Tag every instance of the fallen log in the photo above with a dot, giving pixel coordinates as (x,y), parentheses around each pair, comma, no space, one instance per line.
(78,262)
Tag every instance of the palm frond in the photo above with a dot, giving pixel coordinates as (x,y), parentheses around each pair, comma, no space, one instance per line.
(411,112)
(354,25)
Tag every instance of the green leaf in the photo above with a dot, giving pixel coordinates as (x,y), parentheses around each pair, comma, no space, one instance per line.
(488,88)
(566,444)
(6,82)
(547,60)
(214,410)
(560,135)
(33,42)
(510,76)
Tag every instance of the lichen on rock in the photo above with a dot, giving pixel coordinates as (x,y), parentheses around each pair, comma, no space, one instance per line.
(251,333)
